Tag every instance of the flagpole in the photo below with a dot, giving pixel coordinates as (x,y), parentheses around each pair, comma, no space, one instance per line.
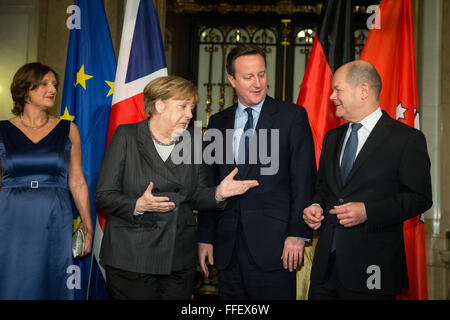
(285,43)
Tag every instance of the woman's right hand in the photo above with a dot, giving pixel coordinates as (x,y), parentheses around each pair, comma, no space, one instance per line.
(148,202)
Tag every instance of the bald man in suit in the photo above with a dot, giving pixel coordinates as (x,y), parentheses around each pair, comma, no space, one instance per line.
(374,173)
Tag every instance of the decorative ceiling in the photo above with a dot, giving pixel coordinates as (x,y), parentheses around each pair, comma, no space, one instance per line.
(280,7)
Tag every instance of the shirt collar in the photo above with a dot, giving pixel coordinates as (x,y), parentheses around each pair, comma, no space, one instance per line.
(371,120)
(241,108)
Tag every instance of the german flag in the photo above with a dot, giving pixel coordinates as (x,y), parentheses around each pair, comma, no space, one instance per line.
(333,46)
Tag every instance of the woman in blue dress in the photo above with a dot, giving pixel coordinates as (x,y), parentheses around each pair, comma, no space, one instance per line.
(40,162)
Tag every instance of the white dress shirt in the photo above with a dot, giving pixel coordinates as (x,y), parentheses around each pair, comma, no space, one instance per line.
(368,123)
(240,119)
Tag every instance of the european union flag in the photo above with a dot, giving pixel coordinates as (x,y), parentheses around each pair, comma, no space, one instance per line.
(87,96)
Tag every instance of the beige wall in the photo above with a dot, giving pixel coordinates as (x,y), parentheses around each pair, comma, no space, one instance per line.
(18,45)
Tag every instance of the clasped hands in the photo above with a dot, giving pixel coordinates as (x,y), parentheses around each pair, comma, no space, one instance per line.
(349,214)
(228,187)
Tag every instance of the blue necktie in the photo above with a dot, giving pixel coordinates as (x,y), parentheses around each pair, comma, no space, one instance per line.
(347,162)
(350,152)
(246,140)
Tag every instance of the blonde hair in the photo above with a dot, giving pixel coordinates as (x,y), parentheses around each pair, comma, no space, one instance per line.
(168,87)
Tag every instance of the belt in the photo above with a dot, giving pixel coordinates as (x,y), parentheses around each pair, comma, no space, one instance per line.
(35,184)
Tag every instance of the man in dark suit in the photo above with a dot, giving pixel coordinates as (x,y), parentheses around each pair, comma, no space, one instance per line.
(257,241)
(374,173)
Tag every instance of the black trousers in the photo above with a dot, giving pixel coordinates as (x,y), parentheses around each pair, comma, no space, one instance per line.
(127,285)
(244,280)
(332,289)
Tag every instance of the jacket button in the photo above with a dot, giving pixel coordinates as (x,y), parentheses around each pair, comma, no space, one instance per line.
(176,190)
(340,200)
(155,190)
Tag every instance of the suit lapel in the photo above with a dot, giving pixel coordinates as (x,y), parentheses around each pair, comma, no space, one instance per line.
(148,151)
(266,117)
(337,157)
(379,133)
(186,149)
(181,146)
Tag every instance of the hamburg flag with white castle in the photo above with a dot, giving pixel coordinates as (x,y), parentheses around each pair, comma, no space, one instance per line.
(393,32)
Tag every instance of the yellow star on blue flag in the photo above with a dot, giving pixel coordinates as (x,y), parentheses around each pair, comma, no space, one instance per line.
(111,87)
(87,102)
(82,77)
(66,115)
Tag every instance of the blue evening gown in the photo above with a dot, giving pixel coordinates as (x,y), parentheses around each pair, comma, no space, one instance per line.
(35,214)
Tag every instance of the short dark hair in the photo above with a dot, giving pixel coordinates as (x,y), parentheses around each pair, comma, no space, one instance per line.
(364,71)
(27,78)
(243,50)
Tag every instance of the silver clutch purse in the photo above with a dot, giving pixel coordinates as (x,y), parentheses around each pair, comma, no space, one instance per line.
(78,243)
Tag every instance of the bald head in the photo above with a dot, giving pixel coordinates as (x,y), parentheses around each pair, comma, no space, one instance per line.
(356,90)
(360,71)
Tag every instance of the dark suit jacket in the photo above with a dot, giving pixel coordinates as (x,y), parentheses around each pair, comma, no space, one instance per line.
(155,243)
(272,211)
(391,175)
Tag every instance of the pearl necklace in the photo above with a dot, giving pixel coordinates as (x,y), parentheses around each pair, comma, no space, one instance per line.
(34,128)
(157,141)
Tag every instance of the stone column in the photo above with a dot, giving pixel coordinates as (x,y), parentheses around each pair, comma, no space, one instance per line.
(444,133)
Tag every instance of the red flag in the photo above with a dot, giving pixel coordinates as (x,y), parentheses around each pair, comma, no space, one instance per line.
(391,50)
(333,46)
